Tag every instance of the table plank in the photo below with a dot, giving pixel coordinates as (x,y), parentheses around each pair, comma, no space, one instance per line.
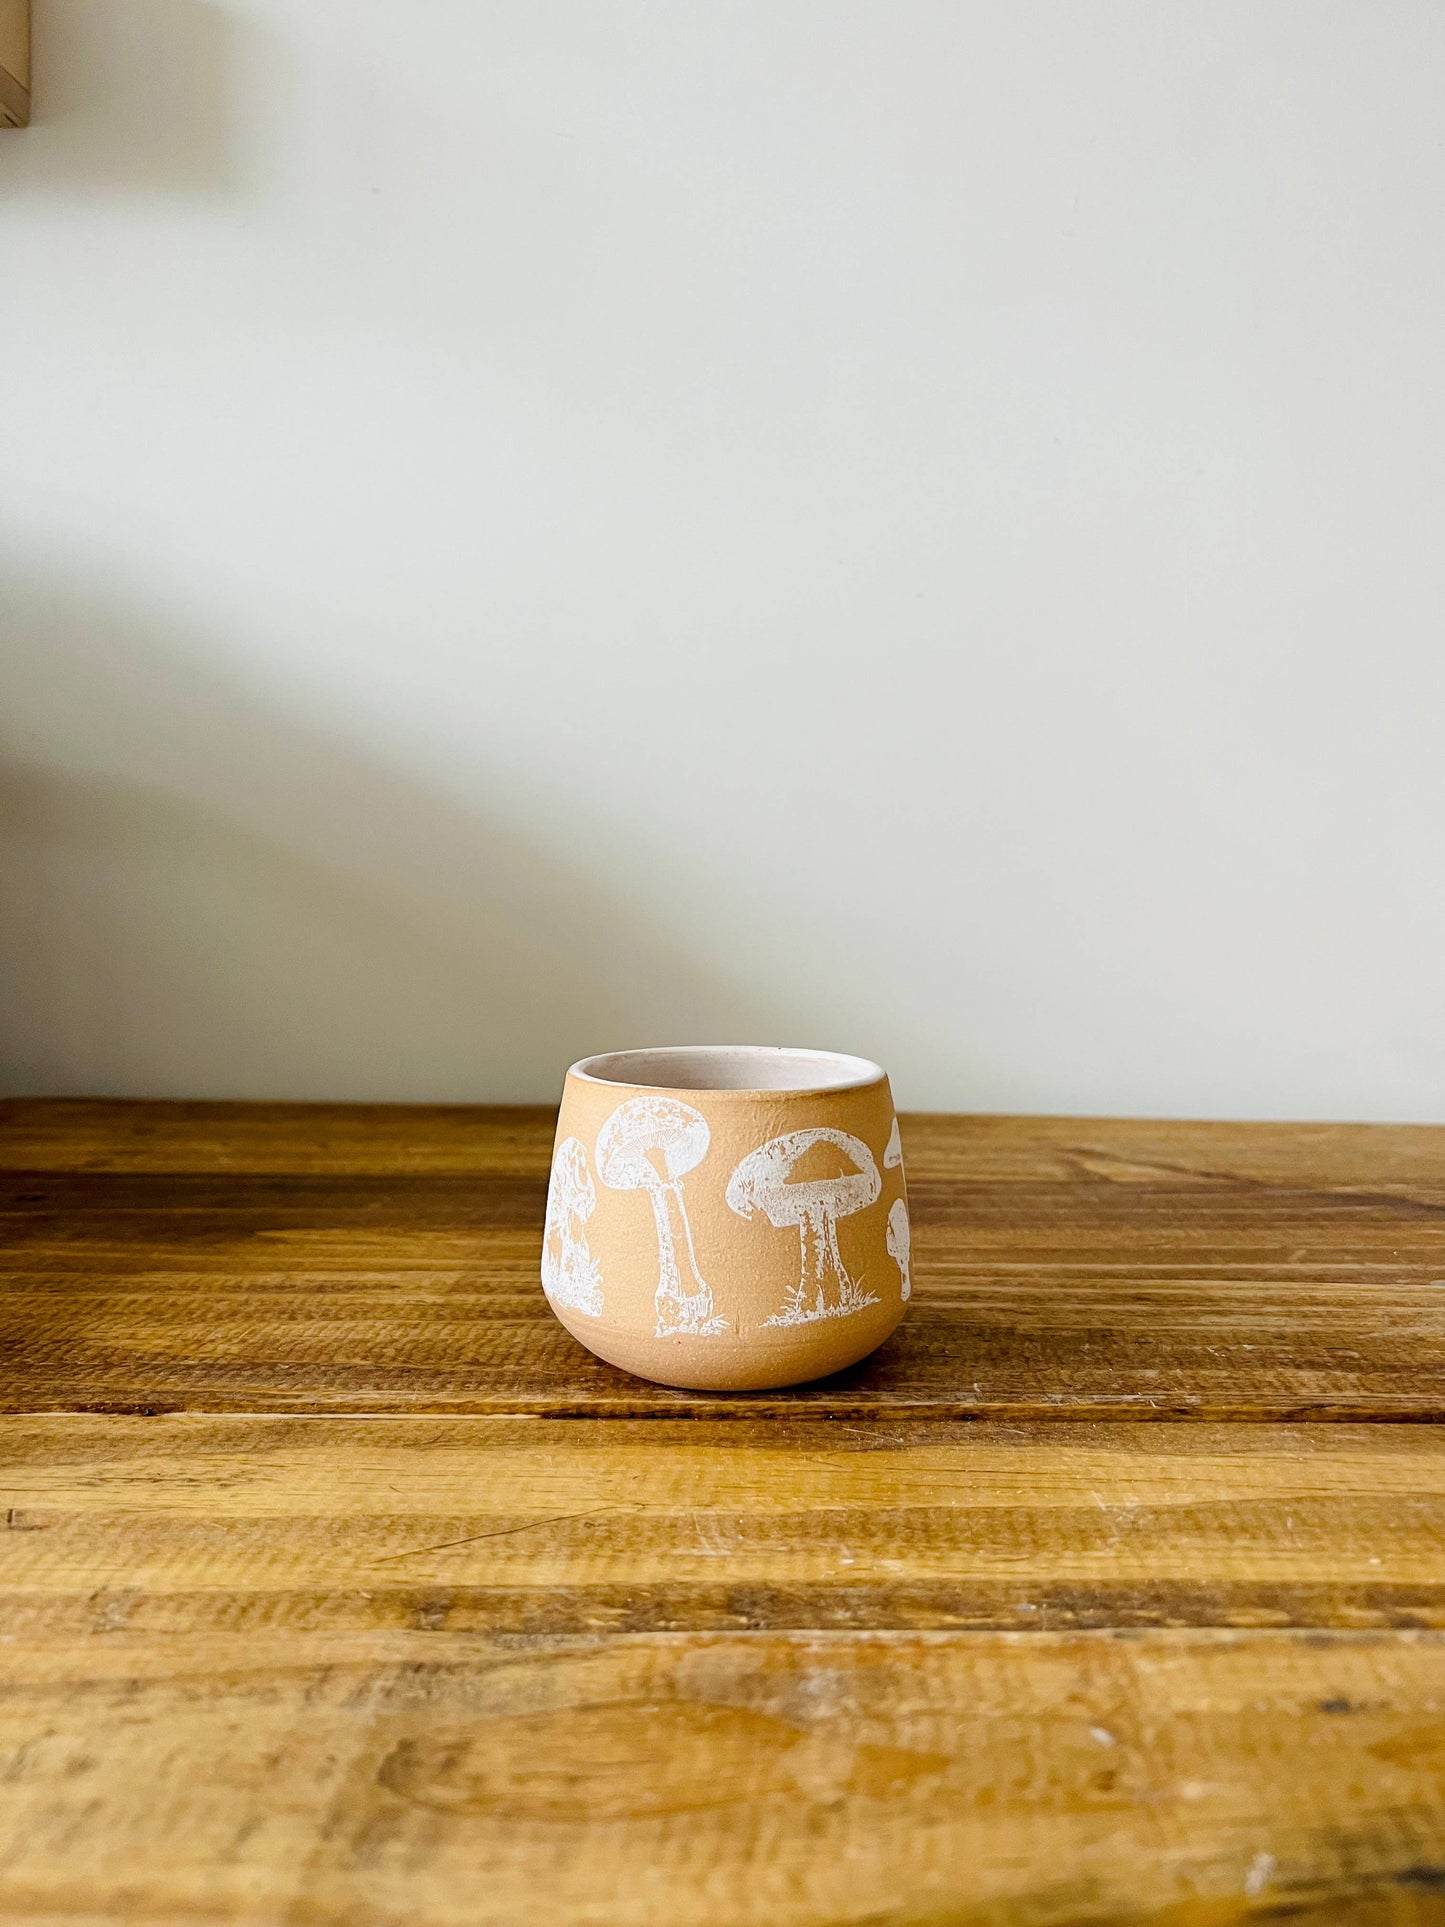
(335,1258)
(1179,1779)
(573,1526)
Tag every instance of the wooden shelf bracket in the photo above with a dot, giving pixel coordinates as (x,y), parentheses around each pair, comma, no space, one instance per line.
(14,63)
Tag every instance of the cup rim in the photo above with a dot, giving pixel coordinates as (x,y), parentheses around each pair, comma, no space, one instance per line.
(855,1073)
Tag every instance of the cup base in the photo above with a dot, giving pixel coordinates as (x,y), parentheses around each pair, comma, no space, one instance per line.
(690,1366)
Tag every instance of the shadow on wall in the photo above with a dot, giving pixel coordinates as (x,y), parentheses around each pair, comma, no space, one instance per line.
(204,897)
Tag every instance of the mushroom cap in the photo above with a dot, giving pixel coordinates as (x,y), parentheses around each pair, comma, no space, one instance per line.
(572,1185)
(760,1182)
(647,1124)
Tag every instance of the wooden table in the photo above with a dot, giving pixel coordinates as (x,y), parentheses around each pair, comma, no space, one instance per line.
(342,1589)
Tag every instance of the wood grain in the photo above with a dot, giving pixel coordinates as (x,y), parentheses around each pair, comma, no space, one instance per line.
(574,1526)
(268,1258)
(339,1588)
(719,1780)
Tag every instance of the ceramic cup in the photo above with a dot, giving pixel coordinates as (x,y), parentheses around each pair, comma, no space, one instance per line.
(727,1217)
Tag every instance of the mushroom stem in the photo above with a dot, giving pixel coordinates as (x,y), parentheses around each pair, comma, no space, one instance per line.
(822,1261)
(900,1245)
(683,1298)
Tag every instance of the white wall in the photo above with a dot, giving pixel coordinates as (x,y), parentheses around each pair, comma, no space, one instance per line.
(914,526)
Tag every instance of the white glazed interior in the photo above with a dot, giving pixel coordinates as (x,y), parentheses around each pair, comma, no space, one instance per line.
(742,1068)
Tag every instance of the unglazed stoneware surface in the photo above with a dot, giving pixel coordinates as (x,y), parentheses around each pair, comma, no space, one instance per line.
(727,1217)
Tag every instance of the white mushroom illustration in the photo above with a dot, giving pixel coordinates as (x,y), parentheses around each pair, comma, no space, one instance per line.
(764,1182)
(893,1153)
(900,1244)
(571,1276)
(649,1144)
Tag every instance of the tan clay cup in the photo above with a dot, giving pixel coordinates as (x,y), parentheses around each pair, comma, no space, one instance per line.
(727,1217)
